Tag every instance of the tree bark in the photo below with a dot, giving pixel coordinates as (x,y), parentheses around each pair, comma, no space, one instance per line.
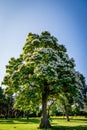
(44,120)
(66,113)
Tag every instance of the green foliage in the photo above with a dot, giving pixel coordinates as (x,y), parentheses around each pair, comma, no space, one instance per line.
(44,68)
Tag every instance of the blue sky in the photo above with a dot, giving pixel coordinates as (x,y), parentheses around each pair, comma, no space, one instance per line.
(65,19)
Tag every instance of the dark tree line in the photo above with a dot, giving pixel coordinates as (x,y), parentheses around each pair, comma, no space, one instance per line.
(54,109)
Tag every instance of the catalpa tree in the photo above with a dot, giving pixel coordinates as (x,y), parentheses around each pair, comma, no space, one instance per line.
(44,69)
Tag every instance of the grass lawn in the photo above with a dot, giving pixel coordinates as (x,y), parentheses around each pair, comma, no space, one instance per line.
(58,123)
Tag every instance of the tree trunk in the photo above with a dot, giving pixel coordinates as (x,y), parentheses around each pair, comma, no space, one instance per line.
(44,120)
(66,113)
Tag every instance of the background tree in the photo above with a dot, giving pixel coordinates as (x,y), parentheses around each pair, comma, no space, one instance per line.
(5,105)
(2,99)
(83,100)
(42,70)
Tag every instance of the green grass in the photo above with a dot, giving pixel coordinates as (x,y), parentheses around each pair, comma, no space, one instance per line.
(58,123)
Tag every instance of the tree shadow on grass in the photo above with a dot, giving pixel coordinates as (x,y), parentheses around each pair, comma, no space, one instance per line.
(60,127)
(6,121)
(68,128)
(20,121)
(84,119)
(71,118)
(27,121)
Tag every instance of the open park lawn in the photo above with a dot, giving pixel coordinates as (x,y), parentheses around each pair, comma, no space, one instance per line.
(58,123)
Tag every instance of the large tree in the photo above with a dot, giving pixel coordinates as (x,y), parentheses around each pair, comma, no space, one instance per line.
(44,69)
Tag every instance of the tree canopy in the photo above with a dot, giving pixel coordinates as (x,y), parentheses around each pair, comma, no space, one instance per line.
(42,71)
